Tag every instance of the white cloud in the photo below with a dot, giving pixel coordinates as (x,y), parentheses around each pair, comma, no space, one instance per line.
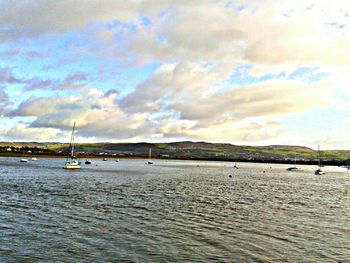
(239,132)
(95,112)
(4,98)
(175,82)
(24,133)
(198,45)
(201,93)
(265,32)
(50,16)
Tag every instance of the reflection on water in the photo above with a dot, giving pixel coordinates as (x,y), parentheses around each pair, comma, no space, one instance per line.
(171,211)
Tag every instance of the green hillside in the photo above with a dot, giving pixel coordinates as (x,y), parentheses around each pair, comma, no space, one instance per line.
(192,150)
(204,150)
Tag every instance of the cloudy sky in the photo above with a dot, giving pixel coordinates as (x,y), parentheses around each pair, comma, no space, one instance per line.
(253,72)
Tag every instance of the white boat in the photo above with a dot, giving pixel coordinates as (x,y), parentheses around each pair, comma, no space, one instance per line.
(23,160)
(72,164)
(71,161)
(319,170)
(117,160)
(150,156)
(34,159)
(235,166)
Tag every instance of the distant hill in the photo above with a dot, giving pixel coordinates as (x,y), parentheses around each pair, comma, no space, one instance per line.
(195,150)
(205,150)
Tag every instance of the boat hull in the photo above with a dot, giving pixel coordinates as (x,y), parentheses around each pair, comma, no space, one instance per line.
(71,167)
(294,169)
(319,172)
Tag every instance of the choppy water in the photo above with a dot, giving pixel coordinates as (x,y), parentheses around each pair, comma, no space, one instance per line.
(171,211)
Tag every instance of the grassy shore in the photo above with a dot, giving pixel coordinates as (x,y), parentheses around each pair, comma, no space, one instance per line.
(180,151)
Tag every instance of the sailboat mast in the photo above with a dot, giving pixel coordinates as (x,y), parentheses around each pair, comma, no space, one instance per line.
(72,141)
(149,154)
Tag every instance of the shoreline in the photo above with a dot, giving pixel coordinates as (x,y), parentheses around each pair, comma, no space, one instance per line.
(94,156)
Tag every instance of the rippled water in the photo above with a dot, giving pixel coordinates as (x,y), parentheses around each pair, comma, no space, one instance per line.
(171,211)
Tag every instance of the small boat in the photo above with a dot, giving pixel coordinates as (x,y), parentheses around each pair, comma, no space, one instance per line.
(117,160)
(34,159)
(104,159)
(87,162)
(23,160)
(319,170)
(150,156)
(294,168)
(73,163)
(235,166)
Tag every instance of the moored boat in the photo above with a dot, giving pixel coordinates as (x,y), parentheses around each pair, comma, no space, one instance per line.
(294,168)
(150,156)
(73,163)
(319,171)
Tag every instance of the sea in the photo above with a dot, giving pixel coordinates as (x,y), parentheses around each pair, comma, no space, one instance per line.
(172,211)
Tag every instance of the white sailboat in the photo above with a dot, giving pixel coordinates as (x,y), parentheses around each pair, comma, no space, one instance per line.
(319,170)
(71,161)
(150,156)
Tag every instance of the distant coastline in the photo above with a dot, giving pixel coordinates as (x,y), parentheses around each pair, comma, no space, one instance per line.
(185,150)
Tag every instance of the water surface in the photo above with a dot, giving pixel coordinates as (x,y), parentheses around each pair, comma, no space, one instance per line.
(172,211)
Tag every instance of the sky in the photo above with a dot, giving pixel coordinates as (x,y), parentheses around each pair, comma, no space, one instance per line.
(247,72)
